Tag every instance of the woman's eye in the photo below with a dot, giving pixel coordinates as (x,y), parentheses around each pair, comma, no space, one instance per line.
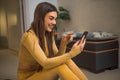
(51,18)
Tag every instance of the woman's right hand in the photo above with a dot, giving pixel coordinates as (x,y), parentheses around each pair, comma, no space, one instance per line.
(77,47)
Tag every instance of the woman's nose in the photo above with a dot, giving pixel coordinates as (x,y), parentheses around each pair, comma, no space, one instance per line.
(54,21)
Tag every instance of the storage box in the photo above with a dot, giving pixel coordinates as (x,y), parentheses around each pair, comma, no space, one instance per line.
(99,55)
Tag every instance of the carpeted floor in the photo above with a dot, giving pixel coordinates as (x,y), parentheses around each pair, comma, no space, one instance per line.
(8,65)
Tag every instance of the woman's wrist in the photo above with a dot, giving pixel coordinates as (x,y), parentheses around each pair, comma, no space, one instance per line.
(74,53)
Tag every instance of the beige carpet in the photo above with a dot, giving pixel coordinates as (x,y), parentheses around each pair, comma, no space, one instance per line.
(8,65)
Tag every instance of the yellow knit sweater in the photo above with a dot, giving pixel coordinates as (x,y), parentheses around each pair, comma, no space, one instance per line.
(31,56)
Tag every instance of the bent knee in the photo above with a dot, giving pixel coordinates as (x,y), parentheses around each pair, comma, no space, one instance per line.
(63,66)
(62,69)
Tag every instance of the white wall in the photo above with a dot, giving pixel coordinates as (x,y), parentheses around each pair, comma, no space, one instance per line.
(93,15)
(29,7)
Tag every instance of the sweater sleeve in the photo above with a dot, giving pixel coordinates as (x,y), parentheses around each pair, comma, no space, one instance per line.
(30,42)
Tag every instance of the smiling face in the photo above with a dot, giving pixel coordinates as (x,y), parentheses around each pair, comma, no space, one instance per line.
(50,21)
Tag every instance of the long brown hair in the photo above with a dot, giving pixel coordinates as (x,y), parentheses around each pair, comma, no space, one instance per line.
(38,25)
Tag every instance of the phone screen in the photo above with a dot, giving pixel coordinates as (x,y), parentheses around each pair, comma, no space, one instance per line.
(84,34)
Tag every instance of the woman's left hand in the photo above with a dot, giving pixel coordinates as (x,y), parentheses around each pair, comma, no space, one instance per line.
(67,38)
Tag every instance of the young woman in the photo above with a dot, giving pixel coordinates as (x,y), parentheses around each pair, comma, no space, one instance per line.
(39,58)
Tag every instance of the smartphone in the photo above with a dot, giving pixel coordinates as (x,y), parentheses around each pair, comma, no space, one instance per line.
(84,34)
